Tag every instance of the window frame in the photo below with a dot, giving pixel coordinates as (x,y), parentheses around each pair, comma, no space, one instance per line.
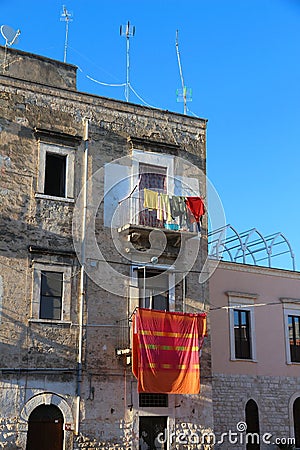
(66,291)
(59,150)
(243,302)
(240,312)
(291,307)
(135,288)
(45,297)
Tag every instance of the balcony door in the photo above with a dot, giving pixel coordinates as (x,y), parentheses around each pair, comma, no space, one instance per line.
(155,179)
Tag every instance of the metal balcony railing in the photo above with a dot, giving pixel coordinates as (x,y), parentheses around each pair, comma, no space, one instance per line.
(132,211)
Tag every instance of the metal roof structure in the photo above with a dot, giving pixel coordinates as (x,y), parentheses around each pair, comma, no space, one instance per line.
(249,247)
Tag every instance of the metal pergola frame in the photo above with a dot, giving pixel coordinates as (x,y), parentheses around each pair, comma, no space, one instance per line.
(227,244)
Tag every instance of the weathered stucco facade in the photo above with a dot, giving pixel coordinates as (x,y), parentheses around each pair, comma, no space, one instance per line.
(71,359)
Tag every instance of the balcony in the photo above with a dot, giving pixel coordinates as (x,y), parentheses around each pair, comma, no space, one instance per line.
(135,222)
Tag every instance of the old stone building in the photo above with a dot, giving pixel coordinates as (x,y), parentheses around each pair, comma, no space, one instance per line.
(78,254)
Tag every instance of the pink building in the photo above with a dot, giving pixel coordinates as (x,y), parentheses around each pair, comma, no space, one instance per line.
(255,332)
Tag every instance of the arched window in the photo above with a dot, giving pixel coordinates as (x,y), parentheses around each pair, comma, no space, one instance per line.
(45,428)
(296,416)
(252,421)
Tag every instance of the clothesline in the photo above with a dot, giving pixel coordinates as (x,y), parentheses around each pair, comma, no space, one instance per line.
(171,207)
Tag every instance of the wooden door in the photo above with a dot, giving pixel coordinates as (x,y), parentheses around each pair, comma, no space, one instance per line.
(45,429)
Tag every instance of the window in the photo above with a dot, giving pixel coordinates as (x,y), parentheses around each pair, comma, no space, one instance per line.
(51,298)
(294,337)
(55,175)
(56,172)
(242,326)
(291,311)
(51,295)
(242,334)
(155,290)
(153,400)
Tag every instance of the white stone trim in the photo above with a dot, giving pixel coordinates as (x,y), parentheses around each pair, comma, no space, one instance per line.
(36,290)
(291,307)
(246,302)
(138,412)
(153,159)
(69,152)
(45,398)
(272,271)
(134,288)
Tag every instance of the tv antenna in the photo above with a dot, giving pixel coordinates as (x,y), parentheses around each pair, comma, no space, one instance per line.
(184,94)
(128,31)
(10,35)
(66,16)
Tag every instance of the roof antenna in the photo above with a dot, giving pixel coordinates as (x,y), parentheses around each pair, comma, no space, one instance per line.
(66,16)
(11,38)
(128,31)
(185,94)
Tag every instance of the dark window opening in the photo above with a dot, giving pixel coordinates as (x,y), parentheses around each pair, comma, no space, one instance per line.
(153,400)
(252,421)
(51,295)
(296,415)
(294,337)
(55,175)
(242,334)
(154,290)
(153,433)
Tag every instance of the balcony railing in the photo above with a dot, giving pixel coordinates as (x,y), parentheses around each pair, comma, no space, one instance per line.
(131,211)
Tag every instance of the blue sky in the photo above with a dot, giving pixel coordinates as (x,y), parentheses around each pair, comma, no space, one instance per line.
(240,57)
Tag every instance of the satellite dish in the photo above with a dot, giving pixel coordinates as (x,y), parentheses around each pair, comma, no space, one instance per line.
(10,35)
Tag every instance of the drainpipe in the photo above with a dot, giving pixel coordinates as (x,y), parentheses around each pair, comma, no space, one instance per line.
(82,274)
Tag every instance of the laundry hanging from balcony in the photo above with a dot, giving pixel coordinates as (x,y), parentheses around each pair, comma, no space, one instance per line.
(188,210)
(165,351)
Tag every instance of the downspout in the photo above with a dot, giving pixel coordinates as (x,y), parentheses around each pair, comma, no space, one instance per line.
(82,275)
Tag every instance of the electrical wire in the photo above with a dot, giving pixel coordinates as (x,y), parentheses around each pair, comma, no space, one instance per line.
(140,98)
(105,84)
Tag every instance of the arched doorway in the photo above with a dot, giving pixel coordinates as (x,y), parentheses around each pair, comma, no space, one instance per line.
(296,416)
(252,421)
(45,428)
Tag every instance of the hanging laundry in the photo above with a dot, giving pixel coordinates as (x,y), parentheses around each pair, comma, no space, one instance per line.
(165,351)
(196,209)
(150,199)
(164,208)
(178,206)
(178,209)
(196,206)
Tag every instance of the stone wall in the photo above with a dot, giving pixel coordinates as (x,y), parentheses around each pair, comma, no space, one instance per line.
(108,417)
(274,397)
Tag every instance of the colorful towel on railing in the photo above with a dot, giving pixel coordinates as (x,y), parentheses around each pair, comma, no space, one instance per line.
(165,351)
(150,199)
(164,208)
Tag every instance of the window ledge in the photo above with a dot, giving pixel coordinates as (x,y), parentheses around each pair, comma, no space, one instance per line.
(293,363)
(52,197)
(243,360)
(63,323)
